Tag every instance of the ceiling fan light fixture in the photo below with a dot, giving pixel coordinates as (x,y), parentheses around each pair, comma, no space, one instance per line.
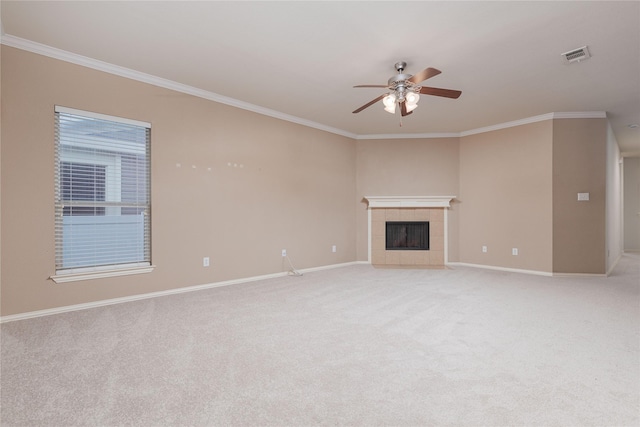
(410,107)
(389,102)
(412,98)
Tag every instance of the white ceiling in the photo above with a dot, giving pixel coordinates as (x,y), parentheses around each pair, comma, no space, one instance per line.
(302,59)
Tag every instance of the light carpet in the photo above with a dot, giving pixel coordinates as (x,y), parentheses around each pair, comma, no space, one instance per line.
(349,346)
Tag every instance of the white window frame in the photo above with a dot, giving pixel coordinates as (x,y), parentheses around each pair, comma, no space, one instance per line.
(113,166)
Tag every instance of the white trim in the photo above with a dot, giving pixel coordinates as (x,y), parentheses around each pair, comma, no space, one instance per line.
(100,274)
(112,301)
(581,115)
(446,236)
(409,201)
(91,114)
(41,49)
(506,125)
(369,235)
(535,119)
(491,267)
(327,267)
(410,136)
(518,270)
(578,275)
(520,122)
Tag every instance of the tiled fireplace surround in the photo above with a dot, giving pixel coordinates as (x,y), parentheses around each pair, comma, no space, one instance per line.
(432,209)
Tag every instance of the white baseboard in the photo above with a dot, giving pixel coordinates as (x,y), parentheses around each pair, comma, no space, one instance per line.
(614,263)
(102,303)
(329,267)
(534,272)
(491,267)
(578,275)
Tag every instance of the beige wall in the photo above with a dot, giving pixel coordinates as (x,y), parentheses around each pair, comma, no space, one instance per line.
(407,167)
(295,190)
(505,197)
(298,189)
(579,166)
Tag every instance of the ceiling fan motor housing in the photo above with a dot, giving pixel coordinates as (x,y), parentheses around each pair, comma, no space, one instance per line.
(400,85)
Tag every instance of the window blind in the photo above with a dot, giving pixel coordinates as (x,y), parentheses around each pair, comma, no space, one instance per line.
(102,196)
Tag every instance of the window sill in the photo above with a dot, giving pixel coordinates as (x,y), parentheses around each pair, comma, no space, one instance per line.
(100,274)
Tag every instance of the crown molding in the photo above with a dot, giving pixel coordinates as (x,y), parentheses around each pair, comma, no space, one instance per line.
(581,115)
(42,49)
(409,136)
(51,52)
(535,119)
(520,122)
(506,125)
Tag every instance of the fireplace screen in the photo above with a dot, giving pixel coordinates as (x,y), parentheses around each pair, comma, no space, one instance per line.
(407,236)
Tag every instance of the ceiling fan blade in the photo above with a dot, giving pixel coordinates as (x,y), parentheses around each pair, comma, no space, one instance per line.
(423,75)
(372,86)
(403,109)
(368,104)
(447,93)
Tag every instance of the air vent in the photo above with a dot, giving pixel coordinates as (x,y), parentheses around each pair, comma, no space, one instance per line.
(576,55)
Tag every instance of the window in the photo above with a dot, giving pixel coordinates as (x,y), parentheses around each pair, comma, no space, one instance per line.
(103,210)
(79,181)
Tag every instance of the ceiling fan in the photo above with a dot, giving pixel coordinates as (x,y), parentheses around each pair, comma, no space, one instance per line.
(404,90)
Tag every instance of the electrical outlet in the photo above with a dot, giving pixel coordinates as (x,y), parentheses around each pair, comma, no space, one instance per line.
(333,248)
(205,261)
(514,251)
(484,249)
(284,252)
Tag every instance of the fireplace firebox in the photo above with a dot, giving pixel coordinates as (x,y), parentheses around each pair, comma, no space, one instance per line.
(403,235)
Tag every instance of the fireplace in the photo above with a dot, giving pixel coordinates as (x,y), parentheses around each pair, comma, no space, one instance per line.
(408,231)
(407,235)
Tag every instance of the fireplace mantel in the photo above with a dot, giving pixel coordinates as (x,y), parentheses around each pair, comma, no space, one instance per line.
(409,201)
